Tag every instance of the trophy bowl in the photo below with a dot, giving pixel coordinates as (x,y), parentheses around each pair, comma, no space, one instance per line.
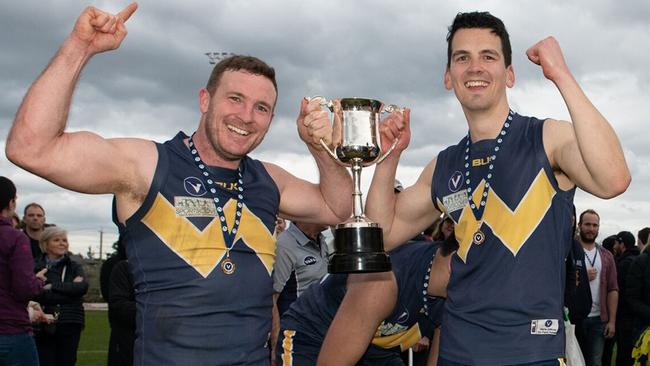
(358,242)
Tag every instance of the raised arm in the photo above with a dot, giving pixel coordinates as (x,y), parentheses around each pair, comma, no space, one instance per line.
(587,150)
(406,214)
(352,330)
(330,201)
(38,142)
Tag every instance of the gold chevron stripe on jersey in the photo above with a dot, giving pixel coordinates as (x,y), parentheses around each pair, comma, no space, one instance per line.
(405,339)
(204,249)
(512,228)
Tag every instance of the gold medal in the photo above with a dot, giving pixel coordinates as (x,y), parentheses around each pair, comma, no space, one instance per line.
(478,237)
(227,266)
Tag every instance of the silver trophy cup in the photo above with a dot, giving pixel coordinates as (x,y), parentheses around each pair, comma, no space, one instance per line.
(358,242)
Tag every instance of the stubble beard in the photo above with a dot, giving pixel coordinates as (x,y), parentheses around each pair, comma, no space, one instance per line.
(587,240)
(212,136)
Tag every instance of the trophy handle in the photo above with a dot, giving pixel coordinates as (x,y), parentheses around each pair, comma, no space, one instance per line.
(390,109)
(390,150)
(329,151)
(324,103)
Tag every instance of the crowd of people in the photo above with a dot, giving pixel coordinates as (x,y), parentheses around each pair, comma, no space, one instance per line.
(197,218)
(604,298)
(41,288)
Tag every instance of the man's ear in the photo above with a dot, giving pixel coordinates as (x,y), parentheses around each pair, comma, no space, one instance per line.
(510,76)
(204,100)
(447,80)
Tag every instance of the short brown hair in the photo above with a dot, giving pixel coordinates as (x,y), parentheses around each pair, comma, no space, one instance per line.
(33,204)
(249,64)
(588,211)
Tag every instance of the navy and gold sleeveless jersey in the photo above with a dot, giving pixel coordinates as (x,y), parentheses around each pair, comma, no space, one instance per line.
(505,296)
(304,325)
(189,311)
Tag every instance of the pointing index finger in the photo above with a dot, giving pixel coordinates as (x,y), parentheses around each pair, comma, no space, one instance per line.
(128,11)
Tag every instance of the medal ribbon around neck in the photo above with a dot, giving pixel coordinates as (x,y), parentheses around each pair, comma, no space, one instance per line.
(478,210)
(227,266)
(592,262)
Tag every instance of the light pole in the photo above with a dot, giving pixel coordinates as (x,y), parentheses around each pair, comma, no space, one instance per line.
(214,57)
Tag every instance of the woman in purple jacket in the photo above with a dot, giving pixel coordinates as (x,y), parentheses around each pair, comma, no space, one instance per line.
(18,285)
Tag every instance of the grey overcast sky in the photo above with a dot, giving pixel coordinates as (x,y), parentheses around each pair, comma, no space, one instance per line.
(388,50)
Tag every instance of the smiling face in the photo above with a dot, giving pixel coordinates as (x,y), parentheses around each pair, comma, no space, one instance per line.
(447,228)
(237,116)
(477,71)
(56,246)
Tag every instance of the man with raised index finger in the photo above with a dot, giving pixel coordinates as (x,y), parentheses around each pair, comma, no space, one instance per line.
(196,213)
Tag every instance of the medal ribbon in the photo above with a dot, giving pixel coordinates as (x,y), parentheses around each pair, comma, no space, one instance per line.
(228,237)
(478,210)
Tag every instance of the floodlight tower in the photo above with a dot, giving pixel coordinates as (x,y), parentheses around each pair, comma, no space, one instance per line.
(214,57)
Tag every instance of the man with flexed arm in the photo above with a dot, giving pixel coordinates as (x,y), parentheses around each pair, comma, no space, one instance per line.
(196,213)
(508,186)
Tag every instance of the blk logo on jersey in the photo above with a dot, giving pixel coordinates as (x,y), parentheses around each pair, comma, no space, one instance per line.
(194,186)
(309,260)
(456,181)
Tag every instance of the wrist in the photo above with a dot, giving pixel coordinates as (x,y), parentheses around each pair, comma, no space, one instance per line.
(564,79)
(75,50)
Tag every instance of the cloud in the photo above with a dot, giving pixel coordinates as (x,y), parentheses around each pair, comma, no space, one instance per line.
(394,52)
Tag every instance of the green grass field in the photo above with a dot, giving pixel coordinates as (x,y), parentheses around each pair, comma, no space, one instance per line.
(93,347)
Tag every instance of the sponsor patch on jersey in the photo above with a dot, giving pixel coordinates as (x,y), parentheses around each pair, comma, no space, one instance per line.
(194,207)
(309,260)
(194,186)
(455,201)
(386,328)
(544,326)
(456,181)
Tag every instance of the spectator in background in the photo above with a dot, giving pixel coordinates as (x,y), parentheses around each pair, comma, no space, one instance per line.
(625,334)
(34,220)
(15,220)
(300,260)
(601,270)
(121,315)
(107,268)
(608,243)
(18,285)
(280,225)
(642,238)
(444,230)
(638,295)
(428,232)
(62,296)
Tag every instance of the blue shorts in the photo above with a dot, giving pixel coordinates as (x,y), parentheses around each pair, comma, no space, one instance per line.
(296,349)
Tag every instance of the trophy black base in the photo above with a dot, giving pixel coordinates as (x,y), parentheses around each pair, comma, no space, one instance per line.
(359,249)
